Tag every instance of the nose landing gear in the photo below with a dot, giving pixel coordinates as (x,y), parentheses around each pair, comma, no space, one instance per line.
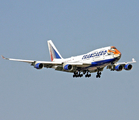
(98,74)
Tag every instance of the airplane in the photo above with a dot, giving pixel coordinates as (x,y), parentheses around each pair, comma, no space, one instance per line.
(94,61)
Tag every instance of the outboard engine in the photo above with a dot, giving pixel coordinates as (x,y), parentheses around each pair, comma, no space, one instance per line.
(128,67)
(38,65)
(119,68)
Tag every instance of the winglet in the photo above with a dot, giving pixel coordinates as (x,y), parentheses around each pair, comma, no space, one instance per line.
(133,60)
(4,57)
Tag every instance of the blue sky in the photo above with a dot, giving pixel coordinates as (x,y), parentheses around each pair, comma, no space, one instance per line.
(76,27)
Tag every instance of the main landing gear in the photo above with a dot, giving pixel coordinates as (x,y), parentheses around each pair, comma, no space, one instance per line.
(78,74)
(88,75)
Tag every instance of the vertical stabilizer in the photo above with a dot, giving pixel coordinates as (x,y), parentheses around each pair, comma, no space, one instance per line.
(54,54)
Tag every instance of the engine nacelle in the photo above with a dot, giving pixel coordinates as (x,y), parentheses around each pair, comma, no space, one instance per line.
(128,67)
(38,66)
(67,67)
(118,67)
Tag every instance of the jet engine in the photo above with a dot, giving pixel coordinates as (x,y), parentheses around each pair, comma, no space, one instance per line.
(38,66)
(128,67)
(67,67)
(119,68)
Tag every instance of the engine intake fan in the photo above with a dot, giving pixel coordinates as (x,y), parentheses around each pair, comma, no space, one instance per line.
(38,65)
(67,67)
(119,68)
(128,67)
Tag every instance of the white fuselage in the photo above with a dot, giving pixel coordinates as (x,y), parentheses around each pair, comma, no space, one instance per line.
(98,58)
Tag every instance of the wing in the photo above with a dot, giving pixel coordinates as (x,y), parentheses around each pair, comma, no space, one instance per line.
(19,60)
(47,64)
(124,63)
(119,66)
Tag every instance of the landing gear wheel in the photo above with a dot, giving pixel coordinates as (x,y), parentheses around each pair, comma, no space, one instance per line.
(81,75)
(77,74)
(98,74)
(88,75)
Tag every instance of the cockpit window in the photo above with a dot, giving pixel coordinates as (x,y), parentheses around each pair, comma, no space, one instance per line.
(113,47)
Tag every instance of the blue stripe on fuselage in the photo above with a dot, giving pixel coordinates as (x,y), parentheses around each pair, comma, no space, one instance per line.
(102,62)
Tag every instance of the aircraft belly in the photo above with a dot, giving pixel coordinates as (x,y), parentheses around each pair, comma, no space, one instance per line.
(92,68)
(99,64)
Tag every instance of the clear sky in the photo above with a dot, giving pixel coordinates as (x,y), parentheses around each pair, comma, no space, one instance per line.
(76,27)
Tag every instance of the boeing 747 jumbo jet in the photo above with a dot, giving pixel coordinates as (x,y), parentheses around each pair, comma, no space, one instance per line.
(94,61)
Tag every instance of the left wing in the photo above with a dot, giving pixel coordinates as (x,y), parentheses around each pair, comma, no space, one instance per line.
(48,64)
(19,60)
(35,63)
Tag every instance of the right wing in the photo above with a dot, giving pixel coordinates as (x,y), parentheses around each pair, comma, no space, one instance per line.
(121,65)
(124,63)
(49,64)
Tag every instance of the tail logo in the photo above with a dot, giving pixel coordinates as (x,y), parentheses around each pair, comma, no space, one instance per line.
(54,54)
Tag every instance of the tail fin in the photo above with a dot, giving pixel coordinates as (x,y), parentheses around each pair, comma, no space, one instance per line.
(54,54)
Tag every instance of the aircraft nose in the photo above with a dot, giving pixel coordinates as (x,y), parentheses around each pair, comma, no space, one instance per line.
(119,53)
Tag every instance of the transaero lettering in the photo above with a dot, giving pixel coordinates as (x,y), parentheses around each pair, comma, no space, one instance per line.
(94,54)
